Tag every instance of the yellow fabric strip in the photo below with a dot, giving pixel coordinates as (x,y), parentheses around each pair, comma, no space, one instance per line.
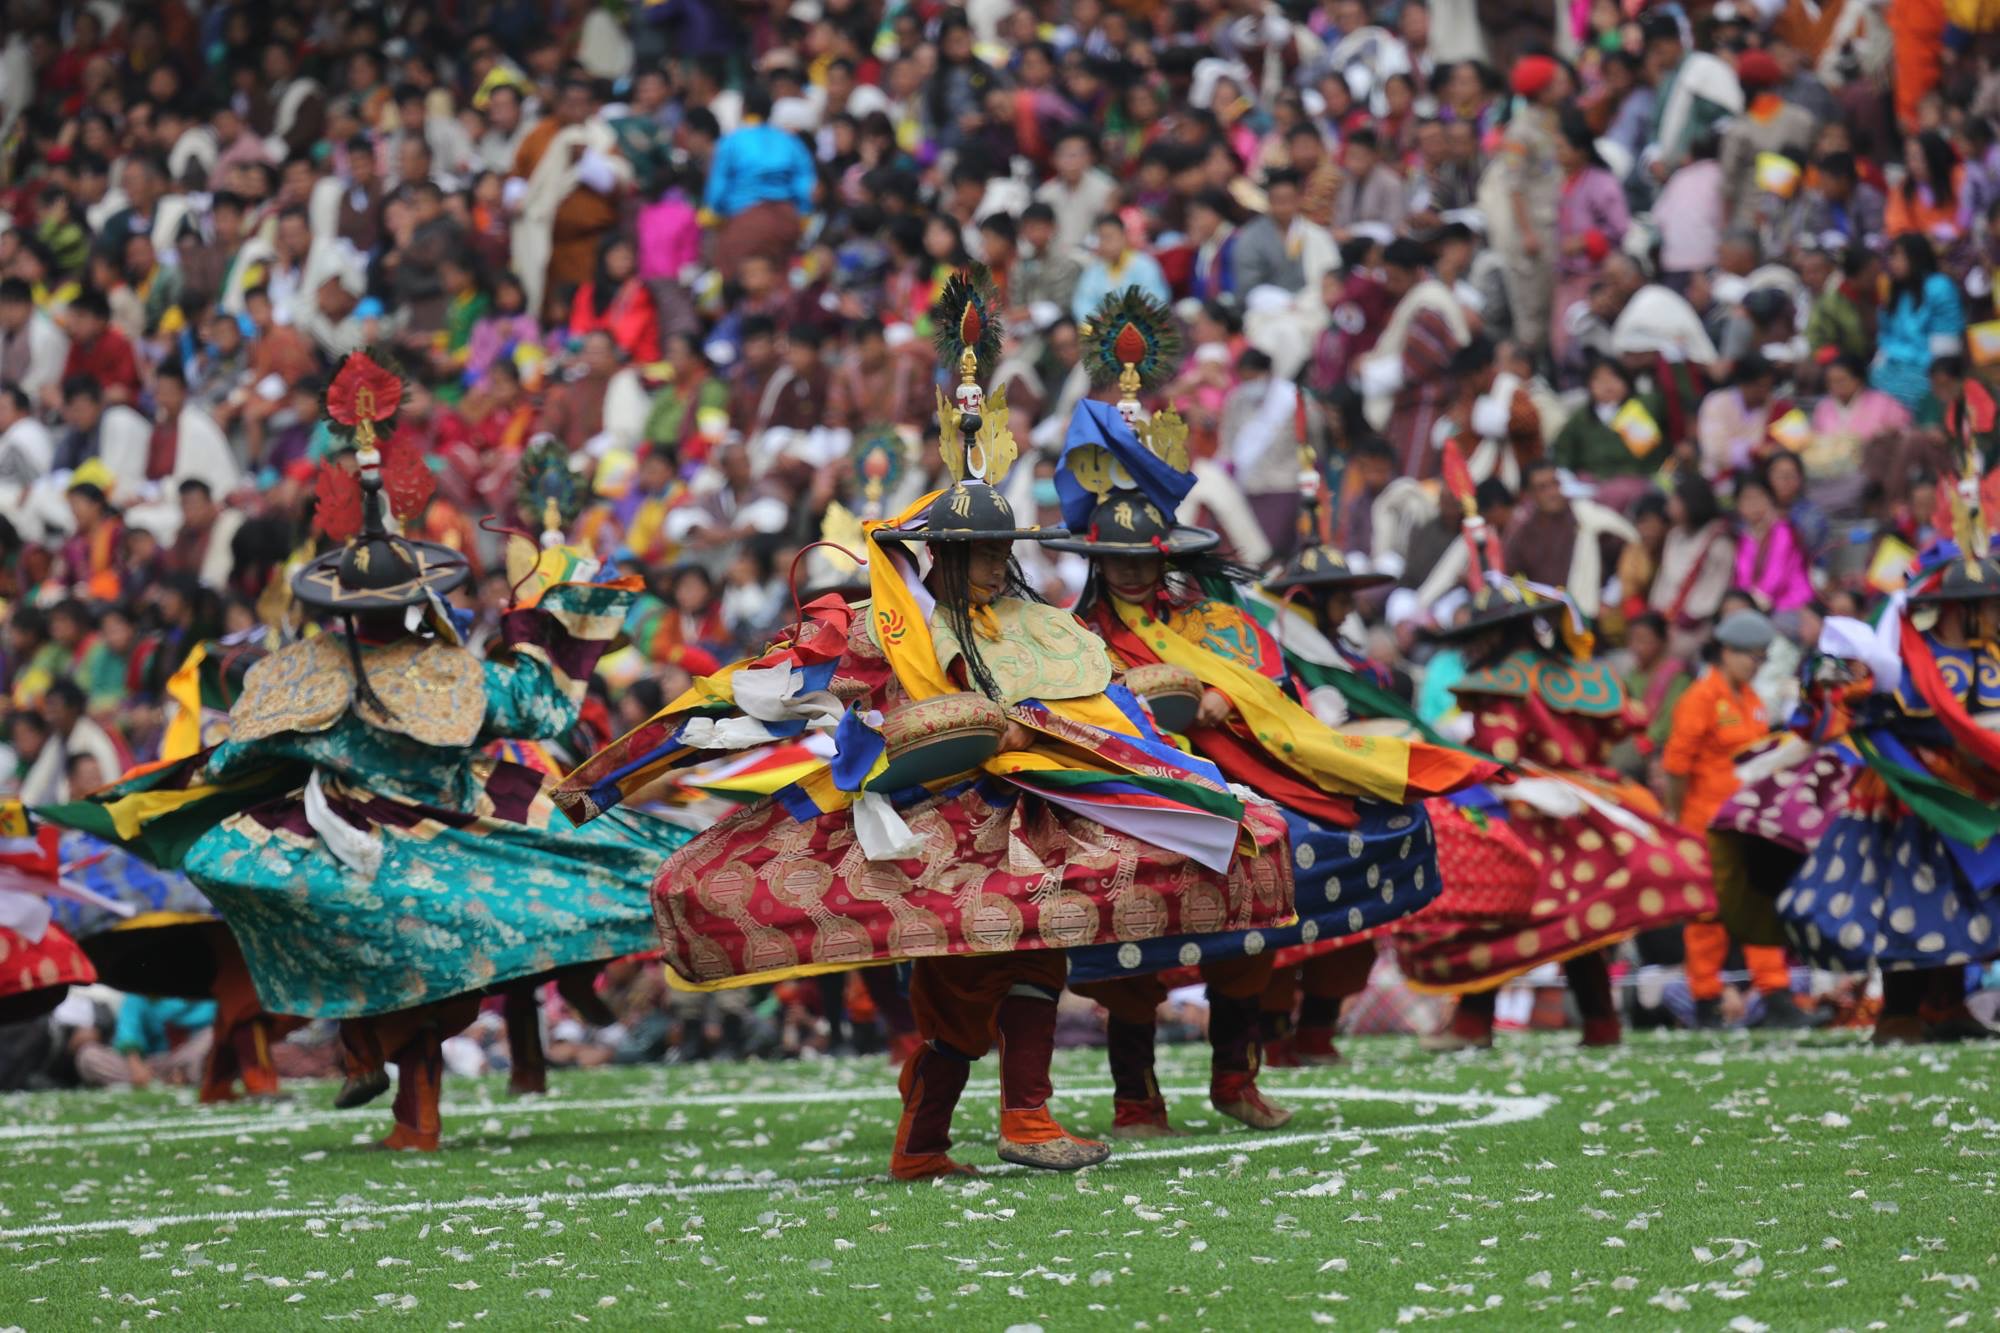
(763,781)
(1336,762)
(1095,711)
(183,736)
(154,920)
(819,786)
(899,623)
(678,982)
(129,813)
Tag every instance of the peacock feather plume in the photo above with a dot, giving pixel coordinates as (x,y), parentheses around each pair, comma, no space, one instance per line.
(968,315)
(543,477)
(1130,328)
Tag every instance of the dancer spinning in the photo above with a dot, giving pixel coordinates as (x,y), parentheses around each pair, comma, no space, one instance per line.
(1903,871)
(1312,599)
(1162,600)
(994,798)
(1605,861)
(374,865)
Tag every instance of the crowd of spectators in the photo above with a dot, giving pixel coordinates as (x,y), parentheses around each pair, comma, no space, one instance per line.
(1704,292)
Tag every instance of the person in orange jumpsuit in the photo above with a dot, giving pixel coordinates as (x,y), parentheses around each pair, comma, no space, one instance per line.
(1716,718)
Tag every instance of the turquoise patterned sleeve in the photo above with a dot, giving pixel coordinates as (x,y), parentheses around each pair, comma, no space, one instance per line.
(234,759)
(524,702)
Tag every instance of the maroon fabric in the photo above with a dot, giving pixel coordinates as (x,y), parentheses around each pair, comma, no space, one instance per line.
(513,788)
(1129,1048)
(162,450)
(932,1086)
(1791,808)
(1027,1044)
(1232,1033)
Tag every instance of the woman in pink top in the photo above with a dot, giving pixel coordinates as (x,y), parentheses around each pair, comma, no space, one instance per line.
(669,236)
(1850,415)
(1770,565)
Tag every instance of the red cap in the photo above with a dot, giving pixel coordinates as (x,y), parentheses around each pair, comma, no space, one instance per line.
(1756,71)
(1534,74)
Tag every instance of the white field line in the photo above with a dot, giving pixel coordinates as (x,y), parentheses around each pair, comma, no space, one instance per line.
(284,1119)
(1503,1111)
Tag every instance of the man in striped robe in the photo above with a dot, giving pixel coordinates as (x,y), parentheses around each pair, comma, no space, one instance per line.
(1406,379)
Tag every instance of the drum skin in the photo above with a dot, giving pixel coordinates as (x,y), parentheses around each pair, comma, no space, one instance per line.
(939,738)
(1172,692)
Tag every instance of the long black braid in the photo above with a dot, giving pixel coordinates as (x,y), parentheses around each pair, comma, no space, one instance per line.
(384,626)
(950,583)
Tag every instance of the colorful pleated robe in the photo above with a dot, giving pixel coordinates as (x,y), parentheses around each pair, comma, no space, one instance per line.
(1907,876)
(1100,833)
(1607,866)
(1895,892)
(35,973)
(155,940)
(1358,862)
(366,868)
(777,888)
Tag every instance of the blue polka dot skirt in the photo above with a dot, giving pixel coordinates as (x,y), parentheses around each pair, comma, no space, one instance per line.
(1347,881)
(1894,891)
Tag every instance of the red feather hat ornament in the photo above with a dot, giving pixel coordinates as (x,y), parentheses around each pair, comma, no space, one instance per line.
(373,569)
(968,319)
(363,395)
(337,508)
(1129,345)
(407,480)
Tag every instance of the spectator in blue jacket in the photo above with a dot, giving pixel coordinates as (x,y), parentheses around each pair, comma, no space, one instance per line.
(760,187)
(1924,320)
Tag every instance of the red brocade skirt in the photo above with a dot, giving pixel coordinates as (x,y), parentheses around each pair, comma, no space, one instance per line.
(1000,871)
(1532,889)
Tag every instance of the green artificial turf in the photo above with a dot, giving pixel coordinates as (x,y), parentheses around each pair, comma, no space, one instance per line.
(1680,1182)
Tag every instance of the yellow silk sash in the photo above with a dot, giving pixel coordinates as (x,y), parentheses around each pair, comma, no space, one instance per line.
(1334,761)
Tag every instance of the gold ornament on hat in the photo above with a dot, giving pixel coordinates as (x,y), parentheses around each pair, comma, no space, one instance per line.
(969,336)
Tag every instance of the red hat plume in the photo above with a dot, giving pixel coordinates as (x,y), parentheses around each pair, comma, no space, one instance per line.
(363,390)
(337,512)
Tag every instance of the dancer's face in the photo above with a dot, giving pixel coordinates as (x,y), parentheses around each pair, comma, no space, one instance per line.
(1985,625)
(987,570)
(1335,606)
(1133,578)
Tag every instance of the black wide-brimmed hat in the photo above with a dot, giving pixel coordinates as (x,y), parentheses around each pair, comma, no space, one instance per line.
(1127,523)
(379,571)
(1323,566)
(1495,605)
(972,511)
(1965,579)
